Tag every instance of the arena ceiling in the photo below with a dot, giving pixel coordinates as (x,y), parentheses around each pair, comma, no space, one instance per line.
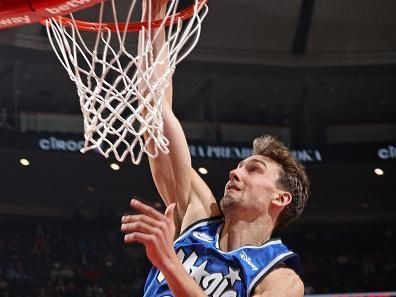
(306,66)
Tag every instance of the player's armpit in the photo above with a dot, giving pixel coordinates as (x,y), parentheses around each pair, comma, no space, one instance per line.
(202,203)
(281,282)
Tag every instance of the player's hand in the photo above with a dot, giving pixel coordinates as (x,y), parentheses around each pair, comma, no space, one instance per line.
(153,229)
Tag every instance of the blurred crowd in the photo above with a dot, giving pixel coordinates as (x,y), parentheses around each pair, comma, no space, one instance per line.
(87,258)
(346,257)
(78,258)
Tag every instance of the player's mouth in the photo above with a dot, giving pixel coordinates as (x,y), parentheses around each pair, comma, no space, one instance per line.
(232,187)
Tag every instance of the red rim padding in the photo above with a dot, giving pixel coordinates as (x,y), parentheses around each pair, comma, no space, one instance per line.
(23,12)
(130,27)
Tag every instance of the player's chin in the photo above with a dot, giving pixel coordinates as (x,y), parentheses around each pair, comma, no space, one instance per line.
(227,202)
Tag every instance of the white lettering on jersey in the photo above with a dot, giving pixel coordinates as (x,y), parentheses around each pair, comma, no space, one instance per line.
(213,284)
(203,236)
(248,260)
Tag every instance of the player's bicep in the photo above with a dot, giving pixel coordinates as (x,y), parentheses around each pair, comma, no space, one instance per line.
(177,181)
(281,282)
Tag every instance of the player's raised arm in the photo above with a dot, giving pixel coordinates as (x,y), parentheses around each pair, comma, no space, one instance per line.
(173,174)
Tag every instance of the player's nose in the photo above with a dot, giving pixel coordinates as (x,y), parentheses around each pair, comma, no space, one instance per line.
(233,175)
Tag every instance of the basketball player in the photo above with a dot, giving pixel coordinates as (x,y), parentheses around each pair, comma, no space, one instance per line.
(221,250)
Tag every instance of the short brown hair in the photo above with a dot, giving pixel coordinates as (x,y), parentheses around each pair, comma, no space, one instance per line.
(292,178)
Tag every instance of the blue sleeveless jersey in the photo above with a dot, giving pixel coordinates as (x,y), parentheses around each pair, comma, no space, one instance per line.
(221,274)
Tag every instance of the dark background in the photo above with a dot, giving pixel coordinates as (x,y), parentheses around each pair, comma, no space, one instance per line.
(317,74)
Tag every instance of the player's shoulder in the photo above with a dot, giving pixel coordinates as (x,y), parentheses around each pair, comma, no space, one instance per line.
(281,281)
(201,203)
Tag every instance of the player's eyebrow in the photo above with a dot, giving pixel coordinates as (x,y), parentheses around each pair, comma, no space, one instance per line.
(253,160)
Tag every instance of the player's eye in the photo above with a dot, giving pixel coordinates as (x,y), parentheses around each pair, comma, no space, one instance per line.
(254,169)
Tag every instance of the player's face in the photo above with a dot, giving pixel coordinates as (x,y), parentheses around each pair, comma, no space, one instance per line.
(252,185)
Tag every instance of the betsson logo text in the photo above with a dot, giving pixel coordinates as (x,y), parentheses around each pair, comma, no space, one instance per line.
(68,6)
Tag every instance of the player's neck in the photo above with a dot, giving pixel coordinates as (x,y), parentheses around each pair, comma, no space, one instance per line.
(238,233)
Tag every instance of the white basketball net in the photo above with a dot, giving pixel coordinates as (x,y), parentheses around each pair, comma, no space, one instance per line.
(120,99)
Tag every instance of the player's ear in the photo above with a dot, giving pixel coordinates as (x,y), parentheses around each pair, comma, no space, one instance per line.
(282,199)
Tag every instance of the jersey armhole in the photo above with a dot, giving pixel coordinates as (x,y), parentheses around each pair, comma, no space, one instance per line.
(291,260)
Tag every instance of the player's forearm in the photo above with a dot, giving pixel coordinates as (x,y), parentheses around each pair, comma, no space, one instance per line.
(153,42)
(172,172)
(180,283)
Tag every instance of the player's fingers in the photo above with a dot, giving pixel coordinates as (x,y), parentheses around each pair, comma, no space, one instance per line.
(139,237)
(138,226)
(160,228)
(131,229)
(147,210)
(139,217)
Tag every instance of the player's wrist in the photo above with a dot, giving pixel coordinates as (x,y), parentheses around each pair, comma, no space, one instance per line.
(158,10)
(171,265)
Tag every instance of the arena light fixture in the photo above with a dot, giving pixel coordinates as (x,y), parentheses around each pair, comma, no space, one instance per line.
(379,171)
(115,166)
(24,162)
(203,170)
